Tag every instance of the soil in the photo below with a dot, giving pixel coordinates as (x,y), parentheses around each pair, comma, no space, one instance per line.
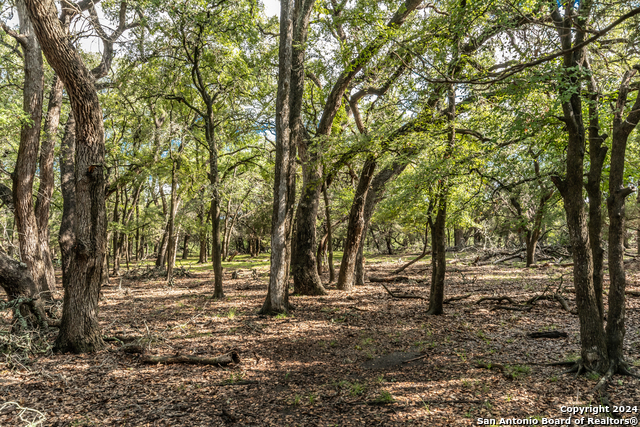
(358,358)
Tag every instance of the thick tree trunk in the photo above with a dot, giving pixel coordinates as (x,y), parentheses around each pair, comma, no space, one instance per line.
(45,190)
(622,127)
(306,280)
(355,227)
(79,329)
(26,162)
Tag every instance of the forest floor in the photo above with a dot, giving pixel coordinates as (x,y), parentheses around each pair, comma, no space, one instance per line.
(357,358)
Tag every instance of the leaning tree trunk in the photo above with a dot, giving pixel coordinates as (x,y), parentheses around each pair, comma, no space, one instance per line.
(26,162)
(616,205)
(356,227)
(79,329)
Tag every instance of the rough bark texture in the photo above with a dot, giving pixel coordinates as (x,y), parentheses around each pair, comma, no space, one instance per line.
(26,162)
(355,227)
(66,234)
(622,127)
(293,29)
(17,282)
(597,155)
(45,190)
(79,329)
(592,337)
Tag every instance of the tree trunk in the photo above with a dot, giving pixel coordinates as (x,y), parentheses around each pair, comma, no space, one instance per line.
(66,234)
(79,329)
(173,209)
(438,260)
(202,220)
(592,337)
(327,213)
(185,246)
(294,24)
(26,162)
(597,155)
(458,238)
(216,254)
(306,280)
(356,227)
(616,205)
(45,191)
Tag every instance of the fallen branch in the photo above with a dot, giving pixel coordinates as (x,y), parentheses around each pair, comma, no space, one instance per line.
(633,293)
(506,307)
(225,359)
(388,279)
(410,263)
(498,299)
(458,298)
(402,295)
(552,334)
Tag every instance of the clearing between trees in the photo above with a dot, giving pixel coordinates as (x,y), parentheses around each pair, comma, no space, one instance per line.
(357,358)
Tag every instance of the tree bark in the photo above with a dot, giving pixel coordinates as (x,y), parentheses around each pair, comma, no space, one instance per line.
(438,257)
(79,329)
(45,190)
(622,127)
(66,234)
(294,24)
(26,162)
(327,213)
(355,227)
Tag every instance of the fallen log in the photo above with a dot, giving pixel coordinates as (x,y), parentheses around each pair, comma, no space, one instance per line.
(224,359)
(633,293)
(552,334)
